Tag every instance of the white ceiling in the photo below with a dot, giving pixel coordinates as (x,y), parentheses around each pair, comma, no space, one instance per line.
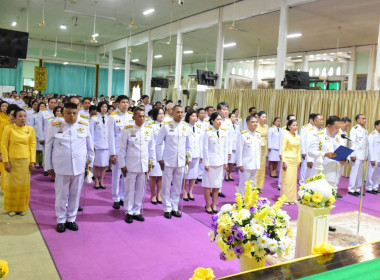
(317,21)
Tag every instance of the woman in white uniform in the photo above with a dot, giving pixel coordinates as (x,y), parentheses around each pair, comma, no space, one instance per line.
(39,147)
(32,121)
(274,145)
(196,158)
(155,176)
(233,138)
(99,133)
(239,121)
(215,156)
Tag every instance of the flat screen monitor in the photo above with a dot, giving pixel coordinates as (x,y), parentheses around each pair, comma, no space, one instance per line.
(206,78)
(8,62)
(296,80)
(160,82)
(13,43)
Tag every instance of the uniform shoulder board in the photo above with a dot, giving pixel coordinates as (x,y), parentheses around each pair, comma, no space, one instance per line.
(199,126)
(84,123)
(339,133)
(44,109)
(130,112)
(148,126)
(49,118)
(228,119)
(83,116)
(26,107)
(305,125)
(208,129)
(284,127)
(59,115)
(207,121)
(35,112)
(94,116)
(356,126)
(311,129)
(151,123)
(185,123)
(128,126)
(167,122)
(244,131)
(373,132)
(321,133)
(17,98)
(56,123)
(222,128)
(114,113)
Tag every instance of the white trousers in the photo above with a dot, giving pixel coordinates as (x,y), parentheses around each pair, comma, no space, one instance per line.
(310,172)
(134,192)
(303,172)
(373,176)
(171,194)
(356,176)
(117,190)
(245,176)
(67,189)
(332,173)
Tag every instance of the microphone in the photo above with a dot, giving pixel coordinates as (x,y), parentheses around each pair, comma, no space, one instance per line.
(344,136)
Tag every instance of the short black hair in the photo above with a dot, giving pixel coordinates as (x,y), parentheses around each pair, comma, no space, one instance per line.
(86,98)
(16,110)
(176,106)
(289,116)
(316,116)
(221,105)
(92,108)
(230,114)
(311,116)
(55,110)
(155,111)
(213,117)
(208,107)
(144,96)
(261,113)
(248,119)
(199,110)
(180,101)
(275,119)
(71,98)
(137,109)
(70,105)
(377,122)
(121,97)
(332,119)
(52,98)
(358,116)
(289,123)
(11,108)
(251,109)
(39,105)
(188,115)
(100,104)
(234,110)
(345,119)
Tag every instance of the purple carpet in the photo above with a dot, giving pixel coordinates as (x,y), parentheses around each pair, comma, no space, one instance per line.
(105,247)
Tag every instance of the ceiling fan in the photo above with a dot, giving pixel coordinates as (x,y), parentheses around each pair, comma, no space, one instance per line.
(170,26)
(42,23)
(233,26)
(71,49)
(132,24)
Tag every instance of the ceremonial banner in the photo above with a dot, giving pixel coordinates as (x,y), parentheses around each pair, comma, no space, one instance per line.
(40,77)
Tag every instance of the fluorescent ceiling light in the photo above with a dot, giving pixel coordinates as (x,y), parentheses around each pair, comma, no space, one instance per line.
(63,27)
(149,11)
(158,56)
(135,60)
(228,45)
(14,23)
(117,68)
(188,52)
(295,35)
(95,35)
(65,63)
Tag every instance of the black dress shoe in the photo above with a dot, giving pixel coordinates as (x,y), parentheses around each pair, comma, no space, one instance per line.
(116,205)
(353,193)
(196,181)
(109,170)
(153,202)
(190,197)
(221,195)
(199,180)
(61,227)
(72,226)
(208,212)
(338,195)
(138,217)
(129,219)
(186,199)
(46,173)
(358,193)
(103,187)
(214,211)
(121,202)
(159,201)
(176,214)
(167,215)
(231,179)
(96,187)
(332,229)
(80,209)
(372,192)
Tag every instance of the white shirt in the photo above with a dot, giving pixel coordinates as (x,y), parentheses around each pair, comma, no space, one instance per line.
(234,135)
(360,135)
(310,133)
(274,138)
(374,146)
(248,150)
(304,134)
(215,149)
(99,132)
(148,107)
(44,117)
(196,134)
(116,123)
(137,148)
(68,147)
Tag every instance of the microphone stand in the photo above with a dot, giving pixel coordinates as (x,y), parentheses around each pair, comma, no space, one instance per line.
(356,242)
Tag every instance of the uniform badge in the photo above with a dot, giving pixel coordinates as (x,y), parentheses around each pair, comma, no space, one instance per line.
(80,130)
(171,138)
(133,133)
(117,120)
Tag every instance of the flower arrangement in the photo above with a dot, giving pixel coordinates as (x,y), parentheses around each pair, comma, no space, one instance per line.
(3,268)
(251,227)
(203,274)
(315,199)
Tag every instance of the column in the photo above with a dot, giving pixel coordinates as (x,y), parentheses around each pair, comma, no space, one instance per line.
(149,66)
(178,64)
(96,80)
(255,78)
(305,63)
(281,46)
(371,65)
(127,69)
(227,78)
(110,70)
(377,70)
(352,70)
(219,51)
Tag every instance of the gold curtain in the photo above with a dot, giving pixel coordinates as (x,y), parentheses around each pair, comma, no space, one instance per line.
(193,91)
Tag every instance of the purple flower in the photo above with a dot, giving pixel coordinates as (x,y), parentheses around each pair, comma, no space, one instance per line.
(222,256)
(214,218)
(266,234)
(240,235)
(214,225)
(263,201)
(252,209)
(230,238)
(234,228)
(239,250)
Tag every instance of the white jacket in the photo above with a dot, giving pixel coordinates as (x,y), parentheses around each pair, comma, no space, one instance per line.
(215,149)
(374,146)
(360,135)
(248,150)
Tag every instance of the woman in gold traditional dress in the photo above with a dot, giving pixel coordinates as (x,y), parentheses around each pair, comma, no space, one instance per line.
(291,159)
(18,148)
(263,130)
(4,121)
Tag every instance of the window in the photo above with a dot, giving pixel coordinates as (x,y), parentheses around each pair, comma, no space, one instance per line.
(317,72)
(246,73)
(339,71)
(298,70)
(233,71)
(240,72)
(324,72)
(311,72)
(331,71)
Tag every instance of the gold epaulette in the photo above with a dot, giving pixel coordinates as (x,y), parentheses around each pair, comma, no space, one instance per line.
(26,107)
(284,127)
(208,129)
(310,129)
(147,118)
(151,123)
(198,125)
(59,116)
(373,132)
(321,132)
(148,126)
(305,125)
(49,118)
(82,122)
(356,126)
(207,121)
(228,119)
(130,112)
(185,123)
(35,112)
(56,123)
(44,109)
(244,131)
(222,128)
(114,112)
(94,116)
(128,126)
(17,98)
(167,122)
(83,116)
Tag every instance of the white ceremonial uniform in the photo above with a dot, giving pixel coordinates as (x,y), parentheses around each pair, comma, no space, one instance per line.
(176,137)
(373,173)
(215,155)
(233,139)
(240,123)
(310,172)
(196,138)
(248,154)
(137,149)
(84,113)
(227,124)
(274,143)
(116,123)
(148,108)
(322,143)
(202,125)
(360,135)
(45,116)
(32,121)
(68,147)
(168,118)
(19,102)
(283,131)
(305,135)
(99,133)
(156,126)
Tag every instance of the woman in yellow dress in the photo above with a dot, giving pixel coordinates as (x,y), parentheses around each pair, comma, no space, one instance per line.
(263,130)
(291,159)
(18,148)
(4,121)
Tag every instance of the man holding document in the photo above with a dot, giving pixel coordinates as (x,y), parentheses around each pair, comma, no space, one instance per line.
(325,143)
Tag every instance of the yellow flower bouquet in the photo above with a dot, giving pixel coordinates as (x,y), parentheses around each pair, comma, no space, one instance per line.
(3,268)
(251,227)
(313,198)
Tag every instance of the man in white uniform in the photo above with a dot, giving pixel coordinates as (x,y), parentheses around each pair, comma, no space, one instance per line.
(86,103)
(145,102)
(172,159)
(116,123)
(360,135)
(248,149)
(201,123)
(209,110)
(136,150)
(169,112)
(304,134)
(68,148)
(373,175)
(318,124)
(252,111)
